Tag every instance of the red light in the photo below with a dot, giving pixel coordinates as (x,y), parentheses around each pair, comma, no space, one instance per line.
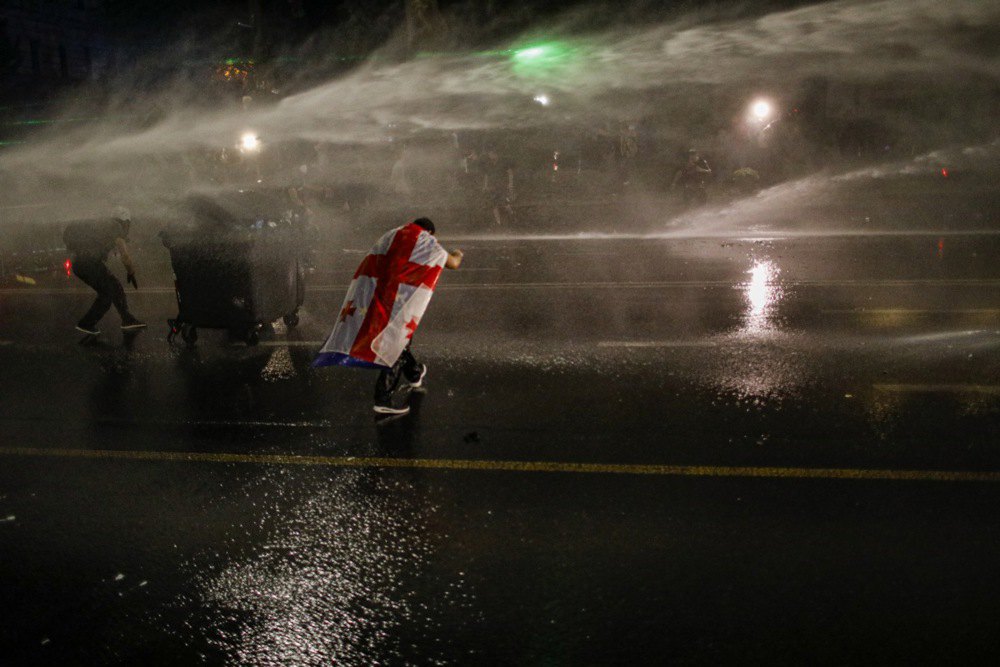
(68,265)
(944,172)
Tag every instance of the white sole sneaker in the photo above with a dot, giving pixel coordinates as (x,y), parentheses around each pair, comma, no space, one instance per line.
(420,380)
(89,332)
(389,410)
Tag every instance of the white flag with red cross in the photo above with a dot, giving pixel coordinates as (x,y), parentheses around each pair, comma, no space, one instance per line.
(387,297)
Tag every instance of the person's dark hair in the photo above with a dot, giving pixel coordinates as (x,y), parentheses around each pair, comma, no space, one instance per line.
(425,223)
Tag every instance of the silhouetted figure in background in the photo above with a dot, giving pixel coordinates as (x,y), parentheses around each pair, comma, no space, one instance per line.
(498,184)
(693,176)
(399,178)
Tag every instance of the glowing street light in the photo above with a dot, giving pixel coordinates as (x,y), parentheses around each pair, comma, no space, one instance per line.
(761,109)
(249,142)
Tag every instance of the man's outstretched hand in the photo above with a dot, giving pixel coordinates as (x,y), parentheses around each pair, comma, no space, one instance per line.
(132,281)
(454,259)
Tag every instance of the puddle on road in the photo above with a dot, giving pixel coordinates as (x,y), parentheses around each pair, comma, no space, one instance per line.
(337,580)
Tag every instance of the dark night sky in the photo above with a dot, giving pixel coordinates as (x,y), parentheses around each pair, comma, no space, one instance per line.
(161,21)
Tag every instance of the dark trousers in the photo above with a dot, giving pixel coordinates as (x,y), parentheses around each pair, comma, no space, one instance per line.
(388,379)
(110,292)
(695,193)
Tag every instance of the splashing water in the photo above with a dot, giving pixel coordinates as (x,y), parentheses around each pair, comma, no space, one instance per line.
(662,67)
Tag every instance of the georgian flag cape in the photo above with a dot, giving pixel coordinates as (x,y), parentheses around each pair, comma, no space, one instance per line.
(387,297)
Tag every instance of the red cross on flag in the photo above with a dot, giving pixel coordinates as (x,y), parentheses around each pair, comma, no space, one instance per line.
(385,301)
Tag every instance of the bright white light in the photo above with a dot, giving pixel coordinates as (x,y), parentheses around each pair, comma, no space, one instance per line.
(529,54)
(761,109)
(763,292)
(249,142)
(543,100)
(760,291)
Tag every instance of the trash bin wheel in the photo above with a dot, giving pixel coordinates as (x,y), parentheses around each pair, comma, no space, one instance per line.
(291,320)
(189,334)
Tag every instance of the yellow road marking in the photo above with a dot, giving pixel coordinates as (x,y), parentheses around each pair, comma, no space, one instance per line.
(512,466)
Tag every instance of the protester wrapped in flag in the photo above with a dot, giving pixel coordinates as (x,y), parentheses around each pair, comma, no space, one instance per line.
(386,299)
(383,307)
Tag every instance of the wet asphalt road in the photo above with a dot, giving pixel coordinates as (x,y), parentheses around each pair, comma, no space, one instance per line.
(751,413)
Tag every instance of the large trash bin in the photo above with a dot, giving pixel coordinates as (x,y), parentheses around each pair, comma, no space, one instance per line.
(240,276)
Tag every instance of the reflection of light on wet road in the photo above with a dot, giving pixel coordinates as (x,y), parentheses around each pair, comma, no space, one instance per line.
(279,366)
(752,365)
(762,294)
(331,584)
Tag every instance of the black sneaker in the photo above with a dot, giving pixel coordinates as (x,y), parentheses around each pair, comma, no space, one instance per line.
(130,323)
(419,382)
(88,329)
